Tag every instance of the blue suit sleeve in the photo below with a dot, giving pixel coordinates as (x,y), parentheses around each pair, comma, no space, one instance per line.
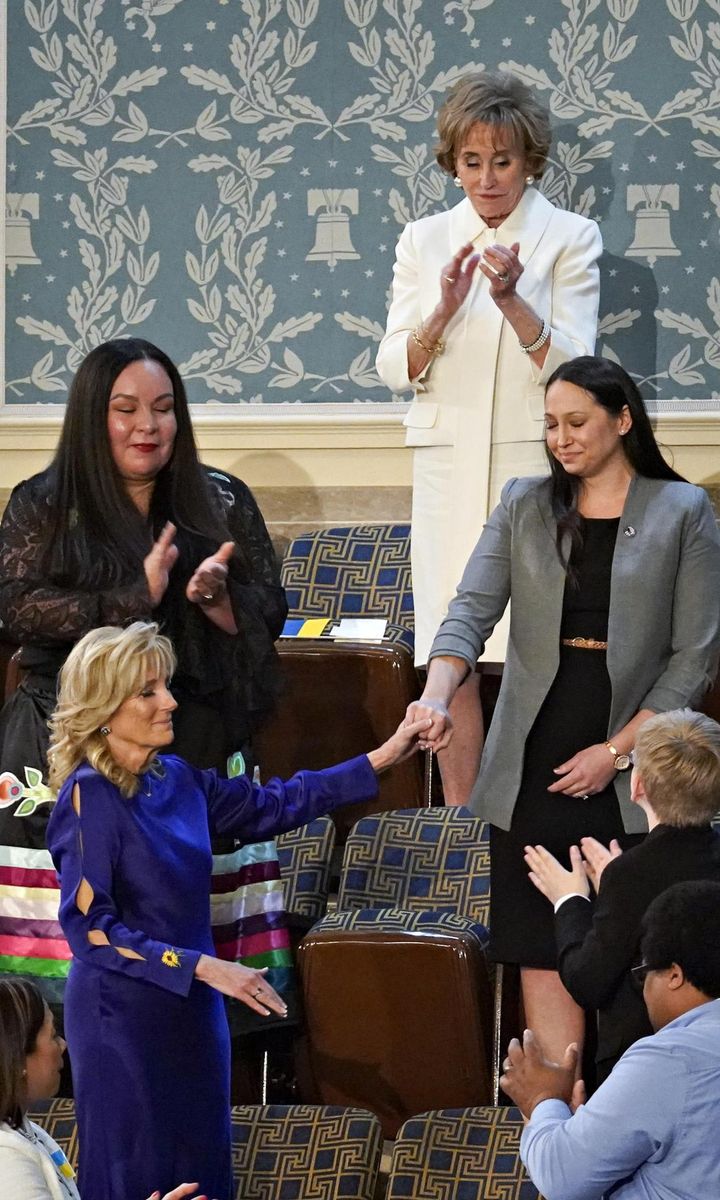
(85,848)
(254,813)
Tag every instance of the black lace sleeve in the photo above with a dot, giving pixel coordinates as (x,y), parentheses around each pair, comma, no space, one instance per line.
(33,611)
(257,597)
(254,580)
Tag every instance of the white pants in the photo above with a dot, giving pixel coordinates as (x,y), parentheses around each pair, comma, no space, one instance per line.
(448,513)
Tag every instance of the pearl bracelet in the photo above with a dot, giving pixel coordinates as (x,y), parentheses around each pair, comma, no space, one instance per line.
(539,342)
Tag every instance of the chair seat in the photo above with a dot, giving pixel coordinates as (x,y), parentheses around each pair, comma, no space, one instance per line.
(398,920)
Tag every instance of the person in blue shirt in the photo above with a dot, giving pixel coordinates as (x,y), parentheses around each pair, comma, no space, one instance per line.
(651,1128)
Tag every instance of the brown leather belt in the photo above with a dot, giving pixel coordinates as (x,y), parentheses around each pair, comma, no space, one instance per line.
(583,643)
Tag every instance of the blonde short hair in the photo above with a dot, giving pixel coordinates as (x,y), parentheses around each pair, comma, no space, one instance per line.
(498,99)
(677,756)
(101,672)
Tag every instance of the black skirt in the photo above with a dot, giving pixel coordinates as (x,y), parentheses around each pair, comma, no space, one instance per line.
(574,715)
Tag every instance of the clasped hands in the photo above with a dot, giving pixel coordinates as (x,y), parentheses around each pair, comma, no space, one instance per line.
(208,585)
(529,1078)
(439,731)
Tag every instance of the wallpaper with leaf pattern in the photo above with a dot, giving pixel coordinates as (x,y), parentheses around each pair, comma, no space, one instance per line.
(229,177)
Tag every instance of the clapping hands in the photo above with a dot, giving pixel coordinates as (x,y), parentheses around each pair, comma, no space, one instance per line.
(208,585)
(587,863)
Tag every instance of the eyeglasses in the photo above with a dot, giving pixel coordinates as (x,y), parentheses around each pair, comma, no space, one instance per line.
(639,974)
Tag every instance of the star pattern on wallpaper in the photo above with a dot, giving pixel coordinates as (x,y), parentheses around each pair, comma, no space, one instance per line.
(229,179)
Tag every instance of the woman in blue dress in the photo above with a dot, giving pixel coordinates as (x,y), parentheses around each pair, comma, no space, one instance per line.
(130,838)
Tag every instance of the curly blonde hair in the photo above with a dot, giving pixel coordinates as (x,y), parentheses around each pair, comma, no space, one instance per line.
(101,672)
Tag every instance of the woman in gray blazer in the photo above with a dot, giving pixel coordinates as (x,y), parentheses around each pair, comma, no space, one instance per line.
(613,564)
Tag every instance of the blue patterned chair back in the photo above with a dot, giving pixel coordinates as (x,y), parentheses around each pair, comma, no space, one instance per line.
(353,571)
(304,1151)
(467,1152)
(305,856)
(418,859)
(57,1117)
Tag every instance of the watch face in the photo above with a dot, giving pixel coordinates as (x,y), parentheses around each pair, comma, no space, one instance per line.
(622,762)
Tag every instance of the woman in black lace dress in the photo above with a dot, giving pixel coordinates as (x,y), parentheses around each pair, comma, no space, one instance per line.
(125,525)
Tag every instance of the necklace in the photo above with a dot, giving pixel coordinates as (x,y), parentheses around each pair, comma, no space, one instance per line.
(156,770)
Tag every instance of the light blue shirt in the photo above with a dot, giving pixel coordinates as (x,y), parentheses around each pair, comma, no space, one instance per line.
(651,1132)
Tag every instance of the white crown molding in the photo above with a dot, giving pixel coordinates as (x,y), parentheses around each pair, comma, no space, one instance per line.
(334,426)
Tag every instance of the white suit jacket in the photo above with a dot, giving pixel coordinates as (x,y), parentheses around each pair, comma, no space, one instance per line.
(482,390)
(483,361)
(27,1171)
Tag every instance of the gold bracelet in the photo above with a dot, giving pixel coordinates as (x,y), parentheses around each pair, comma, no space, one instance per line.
(433,350)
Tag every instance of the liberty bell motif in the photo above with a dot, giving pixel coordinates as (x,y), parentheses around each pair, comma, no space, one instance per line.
(18,246)
(653,237)
(332,231)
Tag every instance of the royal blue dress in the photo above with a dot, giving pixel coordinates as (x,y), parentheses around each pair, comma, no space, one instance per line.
(148,1042)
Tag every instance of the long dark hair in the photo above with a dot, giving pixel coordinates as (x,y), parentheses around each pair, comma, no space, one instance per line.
(95,532)
(610,386)
(22,1015)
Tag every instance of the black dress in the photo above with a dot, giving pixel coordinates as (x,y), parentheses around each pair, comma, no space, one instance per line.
(224,684)
(574,715)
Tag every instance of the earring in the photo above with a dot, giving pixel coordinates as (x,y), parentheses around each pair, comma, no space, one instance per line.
(529,179)
(457,182)
(104,729)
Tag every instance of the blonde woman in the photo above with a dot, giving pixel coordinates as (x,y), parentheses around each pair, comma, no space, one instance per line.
(130,837)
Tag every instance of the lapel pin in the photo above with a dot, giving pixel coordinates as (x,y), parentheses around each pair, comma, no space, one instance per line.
(629,531)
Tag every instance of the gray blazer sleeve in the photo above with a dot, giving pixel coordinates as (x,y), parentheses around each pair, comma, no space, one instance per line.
(691,667)
(484,589)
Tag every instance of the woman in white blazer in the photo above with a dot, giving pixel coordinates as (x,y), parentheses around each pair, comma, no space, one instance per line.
(32,1165)
(613,565)
(487,300)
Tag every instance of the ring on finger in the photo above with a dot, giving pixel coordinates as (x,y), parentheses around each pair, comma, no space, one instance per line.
(583,796)
(504,276)
(450,278)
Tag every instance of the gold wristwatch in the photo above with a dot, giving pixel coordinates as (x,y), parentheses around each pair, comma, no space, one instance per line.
(622,761)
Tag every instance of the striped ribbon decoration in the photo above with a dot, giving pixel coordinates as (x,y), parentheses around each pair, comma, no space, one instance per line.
(248,918)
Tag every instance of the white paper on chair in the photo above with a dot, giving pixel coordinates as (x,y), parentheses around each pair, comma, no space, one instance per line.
(360,629)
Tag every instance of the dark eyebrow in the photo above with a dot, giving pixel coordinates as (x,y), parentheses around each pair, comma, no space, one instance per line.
(579,413)
(131,396)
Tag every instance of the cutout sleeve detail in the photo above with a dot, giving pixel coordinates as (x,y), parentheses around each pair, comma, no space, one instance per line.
(85,844)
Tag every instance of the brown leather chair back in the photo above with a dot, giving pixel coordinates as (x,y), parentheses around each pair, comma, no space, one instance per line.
(341,700)
(398,1020)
